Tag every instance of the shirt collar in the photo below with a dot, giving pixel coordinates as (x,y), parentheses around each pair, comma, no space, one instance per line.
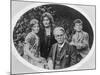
(61,45)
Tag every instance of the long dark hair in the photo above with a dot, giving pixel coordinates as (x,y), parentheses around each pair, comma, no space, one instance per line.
(50,17)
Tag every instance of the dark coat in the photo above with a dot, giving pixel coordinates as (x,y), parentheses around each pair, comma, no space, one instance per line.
(67,58)
(46,43)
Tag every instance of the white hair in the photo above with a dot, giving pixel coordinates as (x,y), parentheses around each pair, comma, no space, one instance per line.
(58,29)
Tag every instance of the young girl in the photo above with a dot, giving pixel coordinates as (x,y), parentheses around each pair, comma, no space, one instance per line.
(31,47)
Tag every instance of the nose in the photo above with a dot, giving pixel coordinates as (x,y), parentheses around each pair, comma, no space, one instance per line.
(37,28)
(59,37)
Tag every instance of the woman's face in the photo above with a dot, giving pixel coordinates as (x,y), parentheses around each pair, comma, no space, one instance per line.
(46,22)
(78,27)
(36,28)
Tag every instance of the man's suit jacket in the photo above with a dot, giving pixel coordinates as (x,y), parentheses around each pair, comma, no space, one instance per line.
(68,55)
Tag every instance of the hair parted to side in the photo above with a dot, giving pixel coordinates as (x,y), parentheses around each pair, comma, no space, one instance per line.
(78,21)
(34,21)
(58,29)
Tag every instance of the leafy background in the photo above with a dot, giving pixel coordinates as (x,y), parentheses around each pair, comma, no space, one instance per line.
(63,16)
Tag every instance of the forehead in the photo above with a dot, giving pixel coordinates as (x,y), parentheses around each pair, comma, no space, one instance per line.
(45,17)
(58,32)
(34,21)
(35,25)
(78,24)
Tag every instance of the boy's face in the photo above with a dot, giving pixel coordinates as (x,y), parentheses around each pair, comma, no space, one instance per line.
(78,27)
(59,36)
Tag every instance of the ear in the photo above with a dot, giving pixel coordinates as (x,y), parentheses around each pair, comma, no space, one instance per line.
(65,35)
(82,26)
(74,27)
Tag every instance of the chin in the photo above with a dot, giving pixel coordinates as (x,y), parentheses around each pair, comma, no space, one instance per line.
(36,32)
(60,42)
(46,26)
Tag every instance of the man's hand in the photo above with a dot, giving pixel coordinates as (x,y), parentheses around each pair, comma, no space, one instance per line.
(50,64)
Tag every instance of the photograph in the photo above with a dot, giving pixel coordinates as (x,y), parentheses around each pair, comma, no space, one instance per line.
(50,37)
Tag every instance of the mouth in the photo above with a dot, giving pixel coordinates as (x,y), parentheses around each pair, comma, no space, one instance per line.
(60,40)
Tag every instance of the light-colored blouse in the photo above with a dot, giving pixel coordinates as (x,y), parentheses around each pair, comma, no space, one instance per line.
(31,50)
(81,41)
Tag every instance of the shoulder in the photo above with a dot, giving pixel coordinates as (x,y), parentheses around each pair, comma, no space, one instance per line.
(85,33)
(30,34)
(55,44)
(74,35)
(68,46)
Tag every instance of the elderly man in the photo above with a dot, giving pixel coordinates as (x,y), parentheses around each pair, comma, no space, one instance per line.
(62,54)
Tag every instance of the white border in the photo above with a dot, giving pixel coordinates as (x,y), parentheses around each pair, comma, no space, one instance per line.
(37,69)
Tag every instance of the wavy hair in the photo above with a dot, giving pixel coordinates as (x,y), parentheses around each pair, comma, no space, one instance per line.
(50,17)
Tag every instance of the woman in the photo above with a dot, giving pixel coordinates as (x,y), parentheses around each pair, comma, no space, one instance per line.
(46,38)
(31,47)
(80,39)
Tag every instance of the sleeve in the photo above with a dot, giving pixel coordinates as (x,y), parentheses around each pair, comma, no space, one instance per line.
(86,40)
(73,55)
(50,59)
(27,38)
(51,53)
(28,46)
(72,41)
(31,39)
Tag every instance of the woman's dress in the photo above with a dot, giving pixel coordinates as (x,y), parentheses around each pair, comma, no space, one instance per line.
(31,50)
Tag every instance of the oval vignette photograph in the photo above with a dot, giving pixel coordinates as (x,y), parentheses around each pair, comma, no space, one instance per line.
(50,37)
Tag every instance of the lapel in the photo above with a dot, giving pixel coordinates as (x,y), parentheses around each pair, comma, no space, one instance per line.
(63,50)
(54,51)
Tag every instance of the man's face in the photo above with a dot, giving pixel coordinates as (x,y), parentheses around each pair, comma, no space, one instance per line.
(59,36)
(78,27)
(46,22)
